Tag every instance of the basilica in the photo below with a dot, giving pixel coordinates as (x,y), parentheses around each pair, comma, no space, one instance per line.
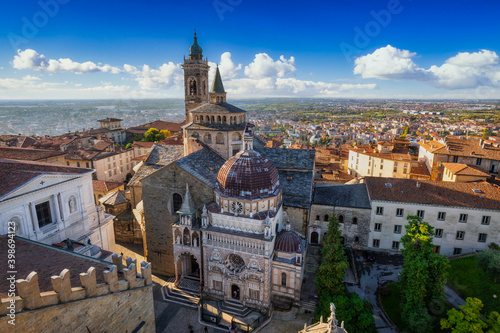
(231,214)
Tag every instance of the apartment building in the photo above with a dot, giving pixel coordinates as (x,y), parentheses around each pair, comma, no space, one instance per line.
(465,216)
(380,162)
(470,151)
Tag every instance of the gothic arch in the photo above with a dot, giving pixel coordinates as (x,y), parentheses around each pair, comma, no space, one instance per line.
(176,202)
(177,236)
(224,120)
(186,237)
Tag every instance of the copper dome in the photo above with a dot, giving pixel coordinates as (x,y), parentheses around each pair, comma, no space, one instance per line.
(288,241)
(248,175)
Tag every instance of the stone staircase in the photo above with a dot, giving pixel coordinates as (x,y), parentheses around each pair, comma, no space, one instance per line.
(234,308)
(308,305)
(181,295)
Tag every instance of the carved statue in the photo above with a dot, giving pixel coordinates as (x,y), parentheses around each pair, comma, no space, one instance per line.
(72,205)
(195,242)
(178,240)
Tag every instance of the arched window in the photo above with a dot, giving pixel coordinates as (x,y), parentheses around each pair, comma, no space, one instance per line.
(356,239)
(283,279)
(204,87)
(341,218)
(195,135)
(201,119)
(236,136)
(207,138)
(213,119)
(317,217)
(219,119)
(354,220)
(192,87)
(219,139)
(224,121)
(326,217)
(186,237)
(176,202)
(196,118)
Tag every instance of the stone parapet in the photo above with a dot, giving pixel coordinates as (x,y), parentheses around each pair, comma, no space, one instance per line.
(31,298)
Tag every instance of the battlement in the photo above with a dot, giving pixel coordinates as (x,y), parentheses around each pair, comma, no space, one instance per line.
(31,298)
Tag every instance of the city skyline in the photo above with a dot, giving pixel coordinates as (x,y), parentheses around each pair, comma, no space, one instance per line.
(387,49)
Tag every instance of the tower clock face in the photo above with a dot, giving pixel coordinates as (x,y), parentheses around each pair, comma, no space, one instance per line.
(237,207)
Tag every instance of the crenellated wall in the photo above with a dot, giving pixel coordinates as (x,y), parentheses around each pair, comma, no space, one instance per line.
(114,306)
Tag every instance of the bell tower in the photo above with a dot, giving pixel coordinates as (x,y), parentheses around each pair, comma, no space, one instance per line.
(195,78)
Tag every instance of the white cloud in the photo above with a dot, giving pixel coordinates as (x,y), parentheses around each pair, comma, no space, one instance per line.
(263,66)
(463,71)
(290,87)
(227,68)
(264,76)
(32,60)
(166,76)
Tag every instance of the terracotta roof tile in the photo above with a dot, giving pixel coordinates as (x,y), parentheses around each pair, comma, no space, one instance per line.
(46,261)
(464,169)
(28,153)
(433,192)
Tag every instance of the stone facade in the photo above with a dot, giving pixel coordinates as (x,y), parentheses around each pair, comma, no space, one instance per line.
(355,227)
(158,192)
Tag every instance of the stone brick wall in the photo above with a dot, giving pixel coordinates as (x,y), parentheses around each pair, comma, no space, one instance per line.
(349,230)
(298,218)
(119,312)
(158,190)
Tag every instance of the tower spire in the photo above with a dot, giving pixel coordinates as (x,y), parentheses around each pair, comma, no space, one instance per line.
(217,93)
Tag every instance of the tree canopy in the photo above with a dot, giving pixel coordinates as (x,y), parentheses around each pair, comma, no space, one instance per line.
(153,135)
(423,275)
(469,319)
(356,313)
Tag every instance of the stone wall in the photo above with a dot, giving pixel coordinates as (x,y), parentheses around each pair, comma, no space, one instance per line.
(349,230)
(113,306)
(120,312)
(298,218)
(158,190)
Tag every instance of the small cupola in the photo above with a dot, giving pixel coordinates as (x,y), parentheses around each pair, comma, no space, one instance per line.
(217,94)
(195,50)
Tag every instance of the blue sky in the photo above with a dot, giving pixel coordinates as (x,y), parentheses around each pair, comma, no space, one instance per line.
(350,48)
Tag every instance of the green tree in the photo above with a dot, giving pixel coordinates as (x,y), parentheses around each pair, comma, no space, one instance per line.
(153,135)
(128,145)
(489,261)
(356,313)
(138,137)
(470,319)
(423,275)
(331,272)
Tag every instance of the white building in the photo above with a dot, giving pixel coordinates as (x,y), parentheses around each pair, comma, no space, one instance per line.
(51,203)
(380,162)
(115,166)
(465,216)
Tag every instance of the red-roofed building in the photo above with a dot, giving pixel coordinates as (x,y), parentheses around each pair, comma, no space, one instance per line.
(464,215)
